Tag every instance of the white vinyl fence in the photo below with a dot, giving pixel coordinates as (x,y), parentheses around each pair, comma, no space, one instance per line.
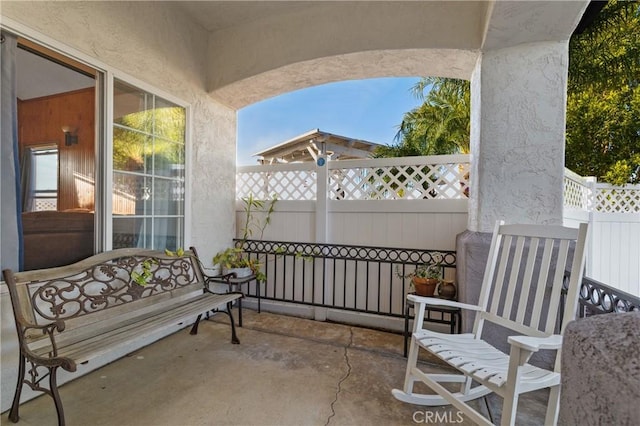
(411,202)
(614,215)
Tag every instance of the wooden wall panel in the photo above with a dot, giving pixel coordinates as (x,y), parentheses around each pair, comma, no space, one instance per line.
(41,120)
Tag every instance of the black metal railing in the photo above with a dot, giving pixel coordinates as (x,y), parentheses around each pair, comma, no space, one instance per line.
(598,298)
(371,279)
(354,278)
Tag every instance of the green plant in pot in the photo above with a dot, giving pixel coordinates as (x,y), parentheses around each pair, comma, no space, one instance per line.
(426,276)
(234,259)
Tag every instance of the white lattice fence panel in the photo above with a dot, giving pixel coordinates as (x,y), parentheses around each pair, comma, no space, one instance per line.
(293,185)
(618,200)
(409,181)
(576,193)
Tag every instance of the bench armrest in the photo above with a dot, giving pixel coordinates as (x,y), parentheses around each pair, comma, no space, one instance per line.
(534,344)
(45,328)
(434,301)
(53,360)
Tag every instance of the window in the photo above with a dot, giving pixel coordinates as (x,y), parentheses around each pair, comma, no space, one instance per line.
(148,170)
(40,167)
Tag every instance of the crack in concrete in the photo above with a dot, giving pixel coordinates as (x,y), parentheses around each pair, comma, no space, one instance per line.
(345,377)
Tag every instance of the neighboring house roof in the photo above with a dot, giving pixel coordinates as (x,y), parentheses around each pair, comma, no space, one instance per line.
(308,146)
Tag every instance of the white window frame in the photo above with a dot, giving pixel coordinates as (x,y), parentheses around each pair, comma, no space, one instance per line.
(148,89)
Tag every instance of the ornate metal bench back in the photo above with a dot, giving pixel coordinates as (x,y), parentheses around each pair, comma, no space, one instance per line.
(100,283)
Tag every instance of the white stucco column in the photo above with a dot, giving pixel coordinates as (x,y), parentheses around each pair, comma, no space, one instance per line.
(518,102)
(517,135)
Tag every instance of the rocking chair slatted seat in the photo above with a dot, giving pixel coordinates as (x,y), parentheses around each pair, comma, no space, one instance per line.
(521,291)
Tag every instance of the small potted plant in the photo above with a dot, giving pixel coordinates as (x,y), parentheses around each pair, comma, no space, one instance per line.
(426,276)
(235,260)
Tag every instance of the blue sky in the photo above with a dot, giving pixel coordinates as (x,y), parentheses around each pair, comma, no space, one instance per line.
(368,109)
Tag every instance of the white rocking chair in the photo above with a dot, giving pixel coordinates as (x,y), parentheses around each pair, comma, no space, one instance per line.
(523,277)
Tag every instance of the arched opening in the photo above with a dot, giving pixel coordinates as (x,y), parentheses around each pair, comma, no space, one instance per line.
(357,116)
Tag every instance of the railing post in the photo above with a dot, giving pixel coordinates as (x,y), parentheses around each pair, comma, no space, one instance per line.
(322,186)
(322,223)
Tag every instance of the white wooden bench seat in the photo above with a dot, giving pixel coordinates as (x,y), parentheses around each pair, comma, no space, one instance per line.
(71,315)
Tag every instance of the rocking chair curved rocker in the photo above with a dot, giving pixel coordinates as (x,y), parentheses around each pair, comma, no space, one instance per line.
(521,291)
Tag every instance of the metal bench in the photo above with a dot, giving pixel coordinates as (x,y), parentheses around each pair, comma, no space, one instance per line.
(113,301)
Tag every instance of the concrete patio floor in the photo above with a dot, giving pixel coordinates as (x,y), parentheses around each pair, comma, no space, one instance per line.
(286,371)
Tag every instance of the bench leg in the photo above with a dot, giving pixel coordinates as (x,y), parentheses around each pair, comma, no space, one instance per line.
(194,328)
(34,384)
(234,336)
(13,414)
(53,386)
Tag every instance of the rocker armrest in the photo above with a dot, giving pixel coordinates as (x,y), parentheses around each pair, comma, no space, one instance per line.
(534,344)
(434,301)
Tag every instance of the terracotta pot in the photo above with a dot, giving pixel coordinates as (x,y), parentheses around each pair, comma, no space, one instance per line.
(424,286)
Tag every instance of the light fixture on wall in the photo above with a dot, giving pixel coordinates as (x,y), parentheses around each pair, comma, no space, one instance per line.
(70,135)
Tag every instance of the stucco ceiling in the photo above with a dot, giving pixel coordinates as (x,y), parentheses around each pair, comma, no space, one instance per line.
(502,22)
(262,48)
(218,15)
(258,49)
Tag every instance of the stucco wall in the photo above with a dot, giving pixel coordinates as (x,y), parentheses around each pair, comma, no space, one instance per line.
(161,48)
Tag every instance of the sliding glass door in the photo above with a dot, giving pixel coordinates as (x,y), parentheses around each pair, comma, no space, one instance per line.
(148,170)
(102,160)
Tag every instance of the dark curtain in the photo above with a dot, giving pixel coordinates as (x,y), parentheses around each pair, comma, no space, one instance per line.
(11,252)
(26,180)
